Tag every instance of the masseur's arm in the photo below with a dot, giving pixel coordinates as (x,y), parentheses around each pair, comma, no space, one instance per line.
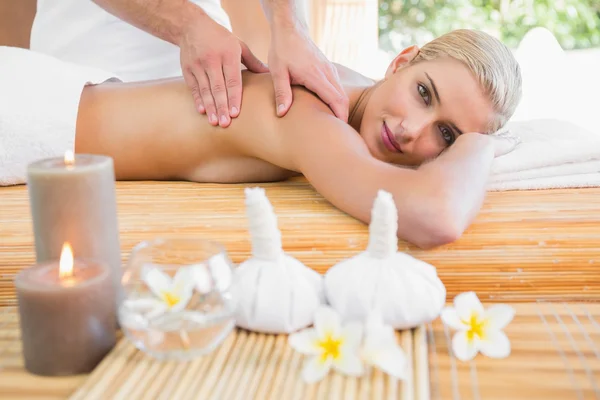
(210,54)
(436,203)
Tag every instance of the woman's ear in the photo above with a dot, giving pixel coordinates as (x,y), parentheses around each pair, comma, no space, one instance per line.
(402,59)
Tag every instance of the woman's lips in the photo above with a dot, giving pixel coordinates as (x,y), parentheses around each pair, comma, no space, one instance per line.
(388,139)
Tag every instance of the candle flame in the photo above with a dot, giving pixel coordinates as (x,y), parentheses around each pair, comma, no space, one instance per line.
(69,158)
(66,261)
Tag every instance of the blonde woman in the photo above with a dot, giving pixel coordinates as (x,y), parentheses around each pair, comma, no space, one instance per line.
(422,134)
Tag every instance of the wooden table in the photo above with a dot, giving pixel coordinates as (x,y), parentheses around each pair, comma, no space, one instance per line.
(524,247)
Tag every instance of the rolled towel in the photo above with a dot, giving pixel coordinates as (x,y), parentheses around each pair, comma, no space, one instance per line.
(38,108)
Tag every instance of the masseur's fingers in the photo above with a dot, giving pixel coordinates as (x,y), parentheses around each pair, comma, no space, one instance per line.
(207,97)
(327,86)
(219,92)
(251,61)
(283,91)
(191,81)
(233,81)
(233,75)
(340,104)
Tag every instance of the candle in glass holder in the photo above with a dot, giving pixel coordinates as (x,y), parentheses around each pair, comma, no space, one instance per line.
(73,199)
(67,311)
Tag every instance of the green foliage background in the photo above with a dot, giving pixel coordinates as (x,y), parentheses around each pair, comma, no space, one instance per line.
(574,23)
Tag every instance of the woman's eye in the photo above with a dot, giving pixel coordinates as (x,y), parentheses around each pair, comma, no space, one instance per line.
(447,135)
(424,93)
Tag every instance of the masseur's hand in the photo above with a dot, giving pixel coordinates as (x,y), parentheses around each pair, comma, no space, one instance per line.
(210,61)
(295,59)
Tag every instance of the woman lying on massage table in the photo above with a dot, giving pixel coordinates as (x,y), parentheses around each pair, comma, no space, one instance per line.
(425,114)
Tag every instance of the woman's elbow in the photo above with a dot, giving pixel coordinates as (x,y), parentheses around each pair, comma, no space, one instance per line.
(432,240)
(433,231)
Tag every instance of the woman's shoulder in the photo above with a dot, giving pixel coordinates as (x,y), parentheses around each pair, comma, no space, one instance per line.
(349,77)
(264,82)
(259,92)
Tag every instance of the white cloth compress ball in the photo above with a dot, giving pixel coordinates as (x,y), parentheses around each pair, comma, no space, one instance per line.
(406,291)
(276,292)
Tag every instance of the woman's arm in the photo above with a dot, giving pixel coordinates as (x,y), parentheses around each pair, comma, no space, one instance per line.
(436,202)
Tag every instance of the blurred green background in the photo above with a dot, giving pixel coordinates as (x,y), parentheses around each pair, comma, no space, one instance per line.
(574,23)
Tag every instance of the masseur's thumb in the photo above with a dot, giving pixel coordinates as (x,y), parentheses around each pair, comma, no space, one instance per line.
(251,61)
(283,91)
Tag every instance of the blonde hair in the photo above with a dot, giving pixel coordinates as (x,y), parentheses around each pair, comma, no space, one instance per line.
(489,60)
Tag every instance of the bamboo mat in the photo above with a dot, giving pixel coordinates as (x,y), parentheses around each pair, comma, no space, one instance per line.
(555,356)
(523,244)
(246,365)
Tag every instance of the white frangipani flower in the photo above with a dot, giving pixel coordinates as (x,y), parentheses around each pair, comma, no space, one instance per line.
(216,274)
(330,344)
(170,295)
(478,329)
(203,281)
(380,348)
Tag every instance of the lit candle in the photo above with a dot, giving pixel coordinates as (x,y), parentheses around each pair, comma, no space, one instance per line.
(73,199)
(67,315)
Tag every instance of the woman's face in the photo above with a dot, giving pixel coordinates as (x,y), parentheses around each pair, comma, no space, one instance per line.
(419,110)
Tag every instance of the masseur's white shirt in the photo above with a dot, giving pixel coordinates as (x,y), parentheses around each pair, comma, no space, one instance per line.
(81,32)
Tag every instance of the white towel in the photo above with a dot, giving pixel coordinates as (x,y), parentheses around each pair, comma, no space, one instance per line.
(39,101)
(553,154)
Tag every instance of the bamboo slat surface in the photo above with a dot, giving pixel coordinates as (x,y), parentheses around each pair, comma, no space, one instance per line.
(522,245)
(246,365)
(555,356)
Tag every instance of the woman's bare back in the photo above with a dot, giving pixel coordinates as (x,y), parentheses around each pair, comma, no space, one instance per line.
(153,132)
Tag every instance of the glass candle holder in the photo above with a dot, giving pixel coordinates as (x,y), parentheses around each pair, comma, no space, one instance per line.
(178,299)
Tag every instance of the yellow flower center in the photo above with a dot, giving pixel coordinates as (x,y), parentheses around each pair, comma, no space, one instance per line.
(170,298)
(330,347)
(476,327)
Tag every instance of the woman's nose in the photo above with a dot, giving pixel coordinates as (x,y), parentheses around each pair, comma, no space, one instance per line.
(411,130)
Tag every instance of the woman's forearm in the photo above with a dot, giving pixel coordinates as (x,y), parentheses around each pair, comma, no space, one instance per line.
(435,202)
(460,176)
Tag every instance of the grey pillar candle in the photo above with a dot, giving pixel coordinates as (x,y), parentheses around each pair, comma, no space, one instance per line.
(67,313)
(73,199)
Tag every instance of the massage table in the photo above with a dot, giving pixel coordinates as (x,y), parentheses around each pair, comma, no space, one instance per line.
(523,245)
(536,250)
